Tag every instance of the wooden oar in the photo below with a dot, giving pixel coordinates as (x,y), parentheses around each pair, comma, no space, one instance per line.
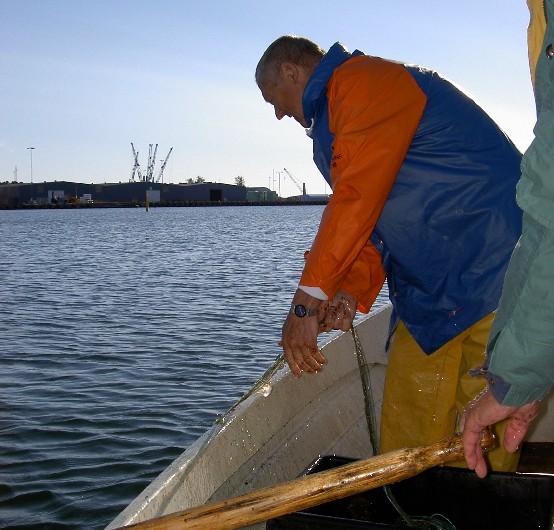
(315,489)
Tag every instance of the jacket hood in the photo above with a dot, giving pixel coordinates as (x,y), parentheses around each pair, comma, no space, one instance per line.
(316,86)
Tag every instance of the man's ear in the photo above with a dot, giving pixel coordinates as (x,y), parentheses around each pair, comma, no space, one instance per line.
(290,72)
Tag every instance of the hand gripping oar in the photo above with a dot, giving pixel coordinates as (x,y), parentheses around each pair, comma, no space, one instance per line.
(312,490)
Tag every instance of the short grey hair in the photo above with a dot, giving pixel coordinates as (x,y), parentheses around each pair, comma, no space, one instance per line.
(287,49)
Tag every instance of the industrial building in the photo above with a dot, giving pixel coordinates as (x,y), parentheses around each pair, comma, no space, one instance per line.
(14,195)
(261,194)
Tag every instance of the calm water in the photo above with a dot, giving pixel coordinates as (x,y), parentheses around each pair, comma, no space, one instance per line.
(122,335)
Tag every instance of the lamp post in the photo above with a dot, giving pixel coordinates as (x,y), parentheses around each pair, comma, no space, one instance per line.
(31,153)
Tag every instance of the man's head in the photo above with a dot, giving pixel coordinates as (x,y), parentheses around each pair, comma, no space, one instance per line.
(282,74)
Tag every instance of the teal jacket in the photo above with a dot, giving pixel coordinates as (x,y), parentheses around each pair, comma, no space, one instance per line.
(535,190)
(521,364)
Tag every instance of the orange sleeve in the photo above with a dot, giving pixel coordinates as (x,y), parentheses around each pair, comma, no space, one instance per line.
(374,109)
(365,277)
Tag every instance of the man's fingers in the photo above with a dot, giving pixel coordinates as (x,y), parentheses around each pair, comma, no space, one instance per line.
(481,466)
(339,315)
(344,324)
(469,449)
(514,434)
(483,411)
(473,452)
(519,424)
(293,365)
(472,425)
(304,360)
(472,448)
(312,358)
(298,361)
(345,315)
(318,356)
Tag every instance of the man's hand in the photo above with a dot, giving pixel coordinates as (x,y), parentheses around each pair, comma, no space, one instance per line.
(299,338)
(483,411)
(340,313)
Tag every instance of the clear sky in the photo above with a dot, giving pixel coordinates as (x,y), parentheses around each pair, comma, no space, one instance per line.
(81,79)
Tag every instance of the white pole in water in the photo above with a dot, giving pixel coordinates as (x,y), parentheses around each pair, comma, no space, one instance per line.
(31,153)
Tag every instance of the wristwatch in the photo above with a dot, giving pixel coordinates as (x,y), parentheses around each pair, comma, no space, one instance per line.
(302,311)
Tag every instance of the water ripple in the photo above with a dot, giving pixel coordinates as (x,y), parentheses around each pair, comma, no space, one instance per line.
(122,336)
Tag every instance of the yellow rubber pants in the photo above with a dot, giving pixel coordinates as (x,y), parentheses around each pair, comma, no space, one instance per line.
(425,395)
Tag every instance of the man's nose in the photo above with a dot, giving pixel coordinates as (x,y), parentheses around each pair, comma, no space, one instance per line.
(279,114)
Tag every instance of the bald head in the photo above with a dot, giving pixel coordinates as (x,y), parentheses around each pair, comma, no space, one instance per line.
(287,49)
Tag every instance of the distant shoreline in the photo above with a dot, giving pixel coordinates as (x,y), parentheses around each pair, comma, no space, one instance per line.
(171,204)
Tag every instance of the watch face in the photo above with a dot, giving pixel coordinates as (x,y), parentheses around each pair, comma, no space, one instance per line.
(299,310)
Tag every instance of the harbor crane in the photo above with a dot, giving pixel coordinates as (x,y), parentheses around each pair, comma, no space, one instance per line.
(302,188)
(136,173)
(151,162)
(136,167)
(161,173)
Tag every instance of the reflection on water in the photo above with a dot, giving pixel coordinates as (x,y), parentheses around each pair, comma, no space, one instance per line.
(122,335)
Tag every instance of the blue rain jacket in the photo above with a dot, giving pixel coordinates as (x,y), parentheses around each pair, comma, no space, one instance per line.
(450,223)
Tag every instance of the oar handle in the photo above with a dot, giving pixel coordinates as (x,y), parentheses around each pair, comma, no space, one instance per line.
(312,490)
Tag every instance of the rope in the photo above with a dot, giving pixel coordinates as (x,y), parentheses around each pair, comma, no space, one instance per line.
(436,521)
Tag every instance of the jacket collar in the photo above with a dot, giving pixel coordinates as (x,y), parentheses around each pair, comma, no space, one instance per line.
(316,87)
